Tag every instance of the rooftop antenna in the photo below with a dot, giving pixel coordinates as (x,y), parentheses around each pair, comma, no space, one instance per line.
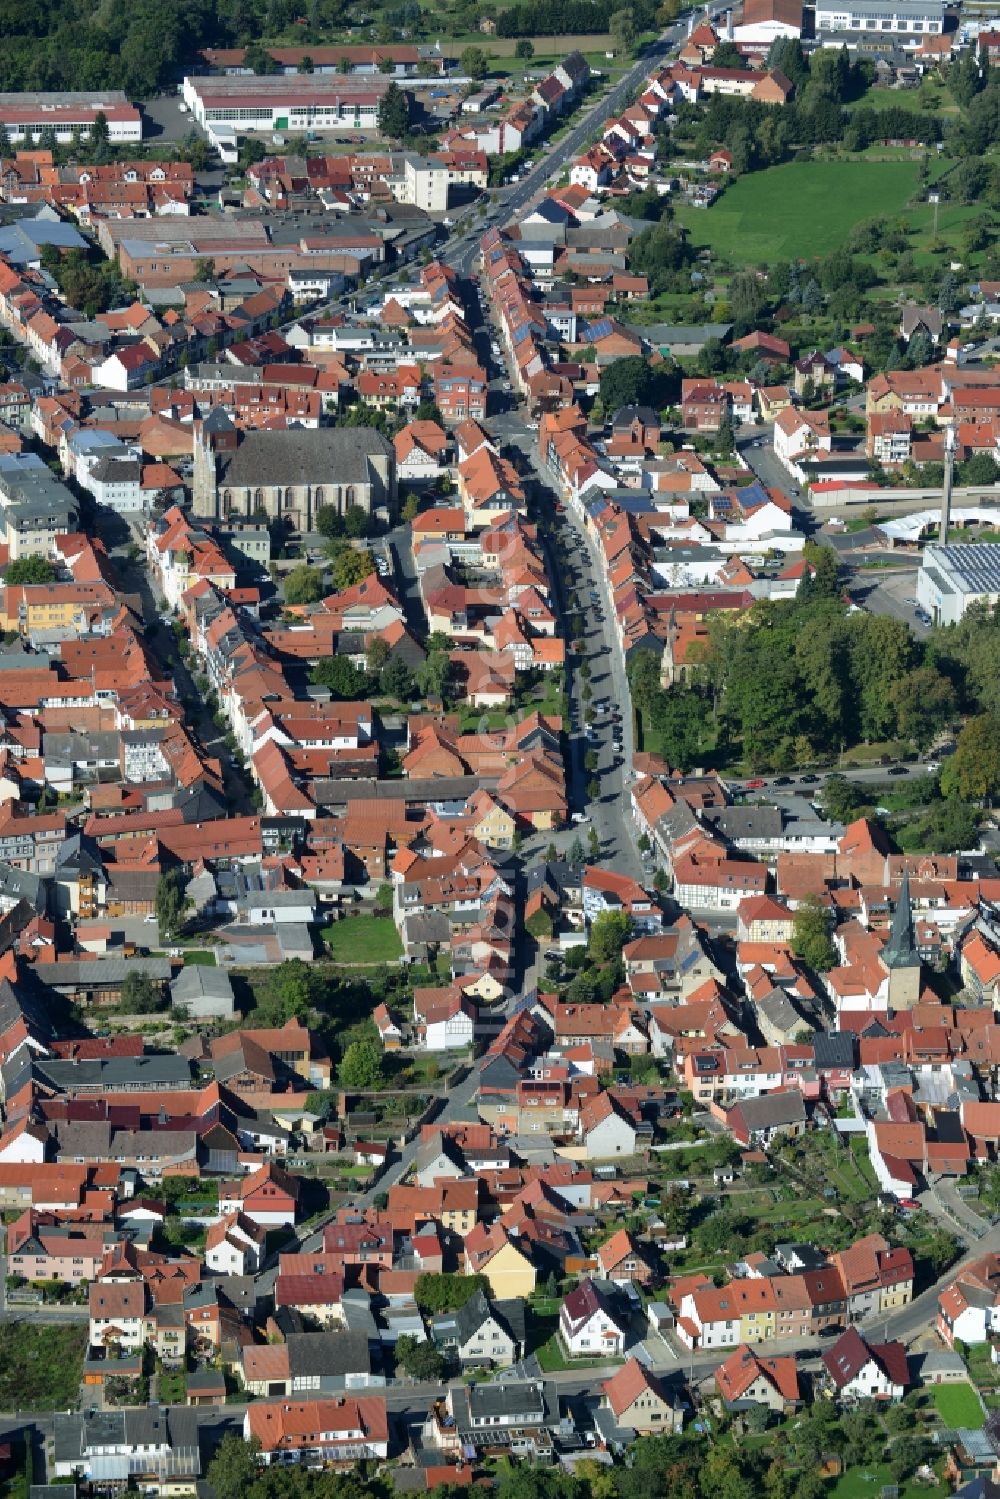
(949,471)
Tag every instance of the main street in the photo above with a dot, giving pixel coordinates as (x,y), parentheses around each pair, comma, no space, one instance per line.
(608,813)
(462,251)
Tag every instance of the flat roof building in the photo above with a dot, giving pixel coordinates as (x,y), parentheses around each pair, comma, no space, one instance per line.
(888,17)
(954,577)
(303,102)
(26,116)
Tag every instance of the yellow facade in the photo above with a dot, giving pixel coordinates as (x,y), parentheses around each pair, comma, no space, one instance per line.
(510,1273)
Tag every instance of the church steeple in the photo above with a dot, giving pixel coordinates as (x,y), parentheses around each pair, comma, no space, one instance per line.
(900,951)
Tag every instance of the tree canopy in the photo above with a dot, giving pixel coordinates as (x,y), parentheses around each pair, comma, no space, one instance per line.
(811,940)
(361,1066)
(303,585)
(30,570)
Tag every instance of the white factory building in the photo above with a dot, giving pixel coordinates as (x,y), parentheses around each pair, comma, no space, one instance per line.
(274,103)
(28,116)
(952,578)
(891,17)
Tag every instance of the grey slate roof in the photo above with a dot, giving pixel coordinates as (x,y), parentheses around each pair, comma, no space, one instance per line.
(301,456)
(141,1073)
(328,1353)
(833,1048)
(198,982)
(93,972)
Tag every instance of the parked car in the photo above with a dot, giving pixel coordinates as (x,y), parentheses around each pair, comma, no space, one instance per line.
(896,770)
(755,783)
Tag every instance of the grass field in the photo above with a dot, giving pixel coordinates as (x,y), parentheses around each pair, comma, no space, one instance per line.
(363,939)
(200,958)
(868,1482)
(801,209)
(932,97)
(958,1405)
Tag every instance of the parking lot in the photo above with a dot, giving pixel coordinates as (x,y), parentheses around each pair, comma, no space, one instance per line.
(893,593)
(163,120)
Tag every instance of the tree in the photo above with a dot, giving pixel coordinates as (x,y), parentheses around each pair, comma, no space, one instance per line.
(350,567)
(140,994)
(609,933)
(233,1471)
(418,1358)
(925,702)
(622,30)
(376,655)
(396,679)
(475,62)
(626,382)
(575,854)
(746,298)
(410,509)
(361,1066)
(293,989)
(822,582)
(438,1293)
(524,49)
(341,678)
(981,468)
(434,675)
(169,903)
(906,1453)
(30,570)
(811,939)
(357,523)
(100,136)
(329,522)
(304,585)
(204,268)
(258,59)
(727,55)
(972,773)
(393,112)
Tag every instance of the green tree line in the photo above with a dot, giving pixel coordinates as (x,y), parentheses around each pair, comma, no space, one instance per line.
(795,679)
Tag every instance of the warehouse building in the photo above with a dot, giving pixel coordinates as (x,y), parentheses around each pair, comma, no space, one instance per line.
(954,577)
(28,116)
(302,103)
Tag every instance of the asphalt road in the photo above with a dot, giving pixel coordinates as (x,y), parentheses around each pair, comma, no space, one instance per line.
(463,251)
(609,813)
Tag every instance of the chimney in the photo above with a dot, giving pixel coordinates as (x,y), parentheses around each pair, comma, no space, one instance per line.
(949,472)
(729,25)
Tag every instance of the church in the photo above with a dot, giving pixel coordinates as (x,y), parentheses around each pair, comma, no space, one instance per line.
(289,473)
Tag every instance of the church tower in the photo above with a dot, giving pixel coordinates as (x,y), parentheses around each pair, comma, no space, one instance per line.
(213,434)
(900,956)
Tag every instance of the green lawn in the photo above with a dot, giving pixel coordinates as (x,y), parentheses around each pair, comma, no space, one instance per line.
(958,1405)
(868,1482)
(171,1387)
(798,210)
(363,939)
(553,1360)
(931,97)
(201,958)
